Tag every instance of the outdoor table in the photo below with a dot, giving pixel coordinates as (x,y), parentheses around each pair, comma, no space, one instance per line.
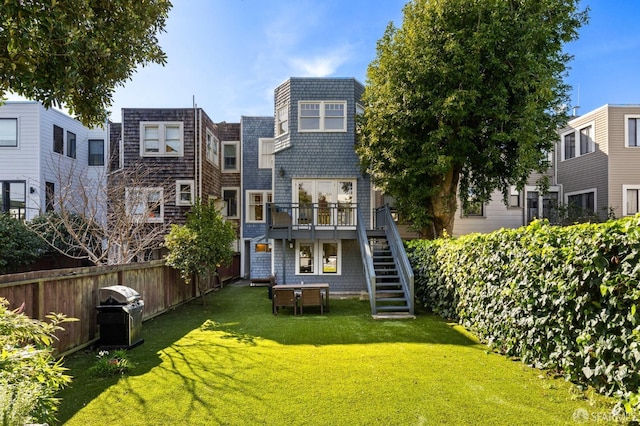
(300,286)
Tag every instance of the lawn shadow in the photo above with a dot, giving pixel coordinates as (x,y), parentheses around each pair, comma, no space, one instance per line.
(243,316)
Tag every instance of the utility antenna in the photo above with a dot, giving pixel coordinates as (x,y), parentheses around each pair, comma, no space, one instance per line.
(577,106)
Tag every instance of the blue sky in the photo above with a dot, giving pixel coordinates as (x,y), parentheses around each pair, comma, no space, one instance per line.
(229,55)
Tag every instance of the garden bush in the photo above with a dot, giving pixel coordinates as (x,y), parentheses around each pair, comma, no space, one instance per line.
(559,298)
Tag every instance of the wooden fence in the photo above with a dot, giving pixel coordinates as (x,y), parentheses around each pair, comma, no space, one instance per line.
(74,292)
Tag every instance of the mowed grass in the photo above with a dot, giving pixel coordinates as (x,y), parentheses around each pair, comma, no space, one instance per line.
(232,362)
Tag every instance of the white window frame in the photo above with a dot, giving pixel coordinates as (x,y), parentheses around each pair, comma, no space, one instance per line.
(15,120)
(359,109)
(584,191)
(576,131)
(514,194)
(212,148)
(225,208)
(266,159)
(236,144)
(162,138)
(179,192)
(322,116)
(317,261)
(146,214)
(626,130)
(282,120)
(267,197)
(625,188)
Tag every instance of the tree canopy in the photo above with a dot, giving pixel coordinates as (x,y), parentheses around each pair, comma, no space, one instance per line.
(202,244)
(75,52)
(465,93)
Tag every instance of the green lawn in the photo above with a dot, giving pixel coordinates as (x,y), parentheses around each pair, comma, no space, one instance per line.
(233,363)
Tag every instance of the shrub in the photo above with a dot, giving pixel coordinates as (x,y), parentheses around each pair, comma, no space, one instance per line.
(18,245)
(111,364)
(29,375)
(560,298)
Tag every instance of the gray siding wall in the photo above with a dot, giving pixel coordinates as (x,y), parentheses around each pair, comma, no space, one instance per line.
(624,162)
(591,170)
(320,155)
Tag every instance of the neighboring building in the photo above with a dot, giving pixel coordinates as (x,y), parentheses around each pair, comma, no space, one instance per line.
(522,208)
(231,151)
(177,152)
(598,158)
(257,176)
(43,152)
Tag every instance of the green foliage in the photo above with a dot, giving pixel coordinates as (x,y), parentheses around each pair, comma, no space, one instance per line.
(561,298)
(18,245)
(202,244)
(29,375)
(464,92)
(75,52)
(107,365)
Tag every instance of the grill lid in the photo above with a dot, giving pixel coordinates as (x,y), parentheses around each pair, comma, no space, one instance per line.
(118,295)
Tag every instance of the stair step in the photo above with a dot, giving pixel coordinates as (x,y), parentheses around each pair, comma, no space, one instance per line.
(391,299)
(395,308)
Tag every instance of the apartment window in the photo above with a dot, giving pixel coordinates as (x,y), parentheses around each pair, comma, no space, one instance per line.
(256,205)
(474,208)
(263,248)
(359,109)
(632,130)
(8,132)
(49,194)
(230,156)
(185,192)
(581,203)
(96,152)
(586,140)
(282,125)
(161,139)
(230,198)
(71,144)
(265,153)
(145,203)
(212,147)
(322,116)
(13,198)
(58,139)
(318,258)
(569,145)
(630,200)
(514,197)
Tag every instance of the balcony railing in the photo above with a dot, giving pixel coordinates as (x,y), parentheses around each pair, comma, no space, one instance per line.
(312,216)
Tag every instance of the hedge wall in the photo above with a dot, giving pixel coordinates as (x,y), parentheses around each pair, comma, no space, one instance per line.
(559,298)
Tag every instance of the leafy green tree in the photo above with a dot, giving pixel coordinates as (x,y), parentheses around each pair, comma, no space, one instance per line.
(30,376)
(201,245)
(75,52)
(18,245)
(464,96)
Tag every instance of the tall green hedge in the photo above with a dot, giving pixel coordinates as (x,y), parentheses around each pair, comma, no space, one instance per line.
(559,298)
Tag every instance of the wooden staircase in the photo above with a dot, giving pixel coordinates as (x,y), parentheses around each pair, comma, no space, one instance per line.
(390,297)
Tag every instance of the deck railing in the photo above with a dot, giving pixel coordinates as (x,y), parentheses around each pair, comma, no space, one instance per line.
(312,215)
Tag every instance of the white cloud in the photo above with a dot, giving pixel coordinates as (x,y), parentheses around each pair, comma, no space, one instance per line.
(320,66)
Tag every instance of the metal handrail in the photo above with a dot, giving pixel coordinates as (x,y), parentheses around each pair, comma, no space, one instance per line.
(367,262)
(385,220)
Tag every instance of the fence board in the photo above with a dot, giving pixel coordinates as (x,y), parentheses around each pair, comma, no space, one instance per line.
(74,292)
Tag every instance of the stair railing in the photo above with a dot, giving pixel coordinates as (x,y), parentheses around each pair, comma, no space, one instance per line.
(385,220)
(367,262)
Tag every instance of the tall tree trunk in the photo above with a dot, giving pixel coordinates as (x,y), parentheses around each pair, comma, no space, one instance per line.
(443,206)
